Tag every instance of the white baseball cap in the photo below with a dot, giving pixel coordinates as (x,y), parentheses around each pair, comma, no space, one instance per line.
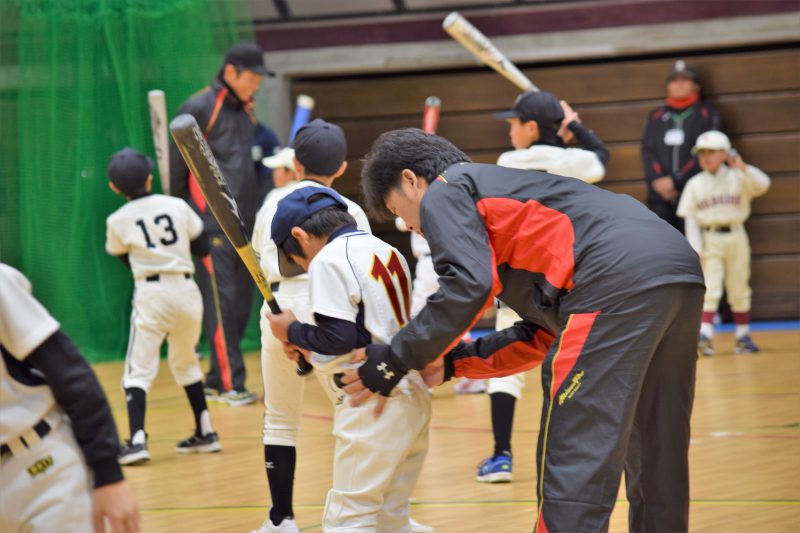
(283,159)
(712,140)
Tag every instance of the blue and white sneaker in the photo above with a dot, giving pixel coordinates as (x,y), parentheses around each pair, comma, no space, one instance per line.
(495,469)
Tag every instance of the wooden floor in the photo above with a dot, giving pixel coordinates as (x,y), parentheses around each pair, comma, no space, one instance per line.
(745,454)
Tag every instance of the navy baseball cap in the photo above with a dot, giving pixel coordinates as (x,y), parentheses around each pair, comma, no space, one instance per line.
(128,170)
(247,56)
(681,70)
(543,107)
(293,210)
(320,147)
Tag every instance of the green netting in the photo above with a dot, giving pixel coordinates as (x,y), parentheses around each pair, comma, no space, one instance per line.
(85,67)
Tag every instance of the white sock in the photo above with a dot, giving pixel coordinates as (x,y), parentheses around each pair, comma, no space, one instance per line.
(707,329)
(205,423)
(742,330)
(139,437)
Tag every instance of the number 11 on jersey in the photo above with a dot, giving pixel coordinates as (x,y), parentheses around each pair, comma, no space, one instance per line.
(383,273)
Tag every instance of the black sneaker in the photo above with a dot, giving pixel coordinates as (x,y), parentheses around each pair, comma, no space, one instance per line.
(745,344)
(208,443)
(133,454)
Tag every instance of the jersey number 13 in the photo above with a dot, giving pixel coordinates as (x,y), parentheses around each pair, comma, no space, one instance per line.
(165,222)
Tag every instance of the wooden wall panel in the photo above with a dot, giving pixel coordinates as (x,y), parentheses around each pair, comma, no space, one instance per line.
(756,92)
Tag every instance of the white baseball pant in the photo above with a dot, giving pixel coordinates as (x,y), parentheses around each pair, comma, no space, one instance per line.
(173,308)
(48,486)
(726,258)
(514,383)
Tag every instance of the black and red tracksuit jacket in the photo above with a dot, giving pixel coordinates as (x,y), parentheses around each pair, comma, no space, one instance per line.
(547,246)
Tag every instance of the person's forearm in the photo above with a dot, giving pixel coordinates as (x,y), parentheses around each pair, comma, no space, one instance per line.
(331,337)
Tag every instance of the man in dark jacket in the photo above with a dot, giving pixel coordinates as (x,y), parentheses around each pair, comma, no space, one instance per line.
(610,299)
(224,113)
(669,135)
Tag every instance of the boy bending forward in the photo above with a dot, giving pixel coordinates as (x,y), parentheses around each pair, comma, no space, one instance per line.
(359,289)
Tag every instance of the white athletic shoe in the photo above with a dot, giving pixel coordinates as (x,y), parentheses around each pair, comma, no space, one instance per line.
(470,386)
(287,525)
(416,527)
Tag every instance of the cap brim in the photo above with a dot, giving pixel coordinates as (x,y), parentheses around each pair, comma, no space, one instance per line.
(507,114)
(287,267)
(273,162)
(262,71)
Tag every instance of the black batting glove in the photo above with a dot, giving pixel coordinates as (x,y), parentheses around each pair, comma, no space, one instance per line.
(380,373)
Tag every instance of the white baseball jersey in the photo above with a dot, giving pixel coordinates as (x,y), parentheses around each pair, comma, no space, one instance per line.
(722,199)
(359,278)
(572,162)
(262,232)
(155,231)
(24,325)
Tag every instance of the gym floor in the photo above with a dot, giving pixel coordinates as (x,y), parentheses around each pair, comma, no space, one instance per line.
(745,453)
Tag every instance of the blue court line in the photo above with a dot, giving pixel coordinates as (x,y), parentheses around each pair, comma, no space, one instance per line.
(766,325)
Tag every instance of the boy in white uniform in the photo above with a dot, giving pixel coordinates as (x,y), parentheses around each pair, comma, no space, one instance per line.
(154,235)
(539,127)
(360,293)
(58,441)
(320,149)
(715,204)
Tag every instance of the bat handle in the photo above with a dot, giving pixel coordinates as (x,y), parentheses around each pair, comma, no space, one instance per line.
(303,367)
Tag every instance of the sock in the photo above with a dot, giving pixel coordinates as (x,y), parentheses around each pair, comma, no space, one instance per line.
(279,462)
(742,320)
(502,421)
(197,399)
(136,400)
(742,330)
(707,329)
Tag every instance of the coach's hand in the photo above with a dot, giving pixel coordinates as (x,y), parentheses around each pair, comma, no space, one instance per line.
(279,324)
(379,373)
(115,503)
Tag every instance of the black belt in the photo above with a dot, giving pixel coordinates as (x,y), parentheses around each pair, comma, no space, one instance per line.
(156,277)
(718,229)
(41,429)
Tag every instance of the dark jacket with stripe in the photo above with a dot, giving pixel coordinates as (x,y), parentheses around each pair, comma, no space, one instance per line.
(547,246)
(230,132)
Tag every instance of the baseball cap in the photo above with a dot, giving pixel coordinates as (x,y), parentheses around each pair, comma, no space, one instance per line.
(681,69)
(293,210)
(247,56)
(128,170)
(543,107)
(320,147)
(712,140)
(283,159)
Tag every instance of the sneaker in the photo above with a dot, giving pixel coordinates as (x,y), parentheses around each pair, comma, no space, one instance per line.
(212,395)
(745,344)
(495,469)
(704,347)
(236,398)
(208,443)
(287,525)
(133,454)
(470,386)
(416,527)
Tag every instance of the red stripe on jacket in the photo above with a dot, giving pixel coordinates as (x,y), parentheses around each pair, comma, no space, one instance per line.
(530,236)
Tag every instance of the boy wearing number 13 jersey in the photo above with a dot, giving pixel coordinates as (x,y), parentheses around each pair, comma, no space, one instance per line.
(360,294)
(154,236)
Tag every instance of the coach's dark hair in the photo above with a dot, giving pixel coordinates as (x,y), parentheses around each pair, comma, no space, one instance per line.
(424,154)
(321,224)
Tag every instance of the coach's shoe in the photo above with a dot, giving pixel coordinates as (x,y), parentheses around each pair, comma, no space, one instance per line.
(416,527)
(133,454)
(237,398)
(208,443)
(704,347)
(745,344)
(495,469)
(470,386)
(287,525)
